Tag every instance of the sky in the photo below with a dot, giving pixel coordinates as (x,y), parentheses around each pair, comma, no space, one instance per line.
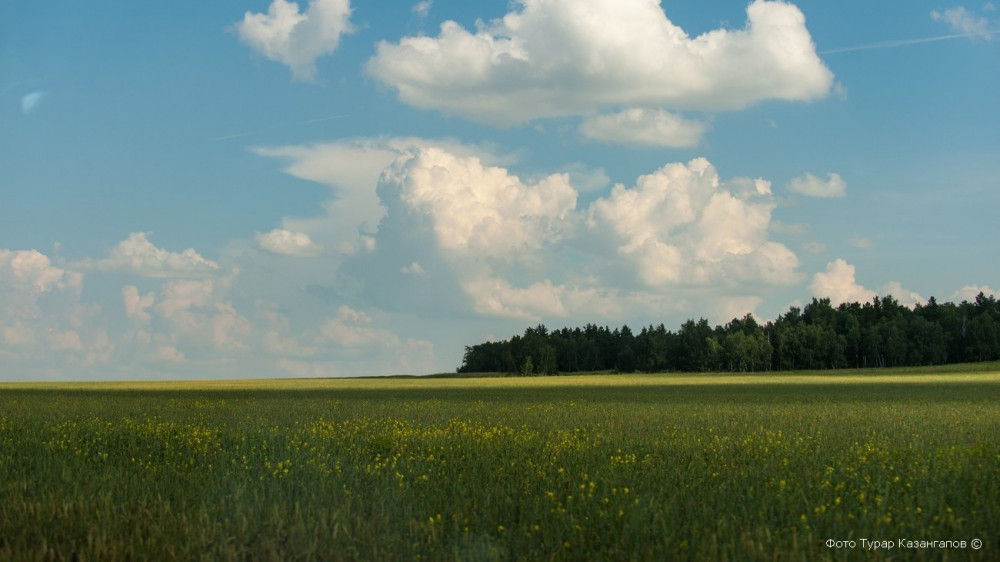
(348,187)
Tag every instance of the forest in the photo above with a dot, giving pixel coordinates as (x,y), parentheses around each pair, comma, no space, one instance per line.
(880,333)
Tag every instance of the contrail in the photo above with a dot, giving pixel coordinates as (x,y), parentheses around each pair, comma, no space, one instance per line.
(238,135)
(320,120)
(264,130)
(904,42)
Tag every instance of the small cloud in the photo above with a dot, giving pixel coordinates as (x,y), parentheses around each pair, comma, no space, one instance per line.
(586,179)
(794,228)
(138,256)
(168,353)
(413,269)
(812,186)
(644,127)
(814,247)
(964,22)
(726,308)
(136,305)
(861,242)
(352,329)
(30,102)
(840,90)
(497,297)
(296,39)
(905,296)
(838,284)
(288,243)
(969,293)
(33,272)
(421,9)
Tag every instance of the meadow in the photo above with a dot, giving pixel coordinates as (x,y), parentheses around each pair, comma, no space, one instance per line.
(612,467)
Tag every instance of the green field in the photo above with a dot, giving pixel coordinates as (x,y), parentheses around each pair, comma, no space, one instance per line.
(644,467)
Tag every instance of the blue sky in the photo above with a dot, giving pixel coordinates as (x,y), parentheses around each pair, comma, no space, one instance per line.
(332,188)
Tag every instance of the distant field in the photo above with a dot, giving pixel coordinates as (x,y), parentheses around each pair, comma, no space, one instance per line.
(646,467)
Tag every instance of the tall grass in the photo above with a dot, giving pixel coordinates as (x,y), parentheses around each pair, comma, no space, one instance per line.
(601,467)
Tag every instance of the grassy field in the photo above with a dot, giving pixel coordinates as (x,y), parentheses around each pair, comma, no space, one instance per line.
(618,467)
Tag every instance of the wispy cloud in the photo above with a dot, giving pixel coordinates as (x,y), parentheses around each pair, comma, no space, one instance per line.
(964,21)
(421,9)
(30,102)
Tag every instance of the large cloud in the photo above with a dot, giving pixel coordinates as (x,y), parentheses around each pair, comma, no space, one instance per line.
(682,225)
(519,249)
(552,58)
(207,325)
(351,168)
(478,210)
(296,39)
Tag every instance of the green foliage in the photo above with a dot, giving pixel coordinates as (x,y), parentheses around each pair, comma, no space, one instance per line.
(639,467)
(881,333)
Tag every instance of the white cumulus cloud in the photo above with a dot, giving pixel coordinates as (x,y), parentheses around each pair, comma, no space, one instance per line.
(351,168)
(33,271)
(198,312)
(838,283)
(288,243)
(353,330)
(136,305)
(812,186)
(520,249)
(138,256)
(296,39)
(35,294)
(549,58)
(644,127)
(42,319)
(969,293)
(478,210)
(496,297)
(905,296)
(681,224)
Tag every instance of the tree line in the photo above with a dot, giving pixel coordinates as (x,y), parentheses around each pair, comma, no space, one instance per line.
(880,333)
